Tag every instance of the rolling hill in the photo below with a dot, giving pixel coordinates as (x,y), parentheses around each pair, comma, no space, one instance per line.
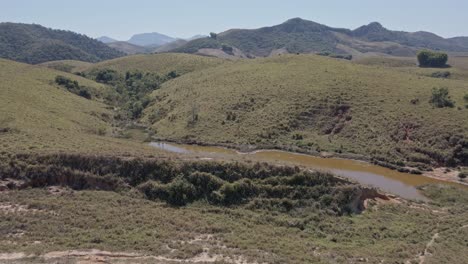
(171,45)
(302,36)
(316,103)
(70,190)
(159,63)
(38,116)
(34,44)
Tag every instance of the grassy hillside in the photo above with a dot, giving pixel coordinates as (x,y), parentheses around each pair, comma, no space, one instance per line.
(70,66)
(159,63)
(32,43)
(36,115)
(317,104)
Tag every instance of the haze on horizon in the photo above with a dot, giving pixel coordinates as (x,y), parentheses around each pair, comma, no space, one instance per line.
(121,19)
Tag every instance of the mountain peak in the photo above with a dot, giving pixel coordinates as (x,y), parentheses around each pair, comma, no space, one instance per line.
(374,31)
(375,25)
(106,39)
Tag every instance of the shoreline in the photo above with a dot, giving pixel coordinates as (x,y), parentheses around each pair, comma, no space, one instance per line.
(436,173)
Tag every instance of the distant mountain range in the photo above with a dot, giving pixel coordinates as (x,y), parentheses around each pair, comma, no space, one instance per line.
(32,43)
(147,43)
(302,36)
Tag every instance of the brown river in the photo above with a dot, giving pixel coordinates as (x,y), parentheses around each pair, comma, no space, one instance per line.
(394,182)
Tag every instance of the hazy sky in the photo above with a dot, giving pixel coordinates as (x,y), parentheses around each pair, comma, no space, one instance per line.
(122,18)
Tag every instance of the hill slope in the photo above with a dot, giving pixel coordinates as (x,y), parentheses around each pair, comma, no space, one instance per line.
(159,63)
(106,40)
(302,36)
(315,103)
(36,115)
(35,44)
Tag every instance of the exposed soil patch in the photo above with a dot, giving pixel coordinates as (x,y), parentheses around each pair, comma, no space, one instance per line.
(9,184)
(8,208)
(444,174)
(98,256)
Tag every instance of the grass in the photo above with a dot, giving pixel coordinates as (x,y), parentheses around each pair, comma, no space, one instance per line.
(160,64)
(39,116)
(334,105)
(118,222)
(67,65)
(282,101)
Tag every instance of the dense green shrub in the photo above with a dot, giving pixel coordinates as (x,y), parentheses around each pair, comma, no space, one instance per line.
(73,86)
(429,58)
(440,98)
(257,185)
(205,183)
(236,192)
(107,76)
(131,89)
(227,49)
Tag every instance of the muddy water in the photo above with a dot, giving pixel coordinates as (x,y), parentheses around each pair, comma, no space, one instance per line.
(402,184)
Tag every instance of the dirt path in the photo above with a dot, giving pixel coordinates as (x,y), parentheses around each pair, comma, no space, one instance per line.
(95,256)
(426,252)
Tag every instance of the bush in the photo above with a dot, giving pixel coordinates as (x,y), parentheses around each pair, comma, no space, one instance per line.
(67,82)
(107,76)
(441,74)
(235,193)
(429,58)
(73,86)
(205,183)
(440,98)
(463,175)
(227,49)
(180,192)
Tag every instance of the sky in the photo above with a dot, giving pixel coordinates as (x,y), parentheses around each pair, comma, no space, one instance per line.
(120,19)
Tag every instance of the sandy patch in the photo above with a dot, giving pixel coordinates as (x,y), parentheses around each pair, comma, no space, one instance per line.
(444,174)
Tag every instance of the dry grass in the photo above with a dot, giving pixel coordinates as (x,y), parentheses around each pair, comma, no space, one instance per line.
(116,222)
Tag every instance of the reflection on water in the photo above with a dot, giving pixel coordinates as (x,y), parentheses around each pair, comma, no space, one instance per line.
(402,184)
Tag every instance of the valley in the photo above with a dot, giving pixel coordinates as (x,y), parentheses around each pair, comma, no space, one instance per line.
(295,143)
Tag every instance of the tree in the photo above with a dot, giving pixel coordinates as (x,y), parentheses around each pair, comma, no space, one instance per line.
(440,98)
(429,58)
(213,35)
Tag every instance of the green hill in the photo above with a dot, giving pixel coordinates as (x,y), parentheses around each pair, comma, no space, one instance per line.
(159,63)
(69,188)
(302,36)
(317,104)
(37,115)
(34,44)
(70,66)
